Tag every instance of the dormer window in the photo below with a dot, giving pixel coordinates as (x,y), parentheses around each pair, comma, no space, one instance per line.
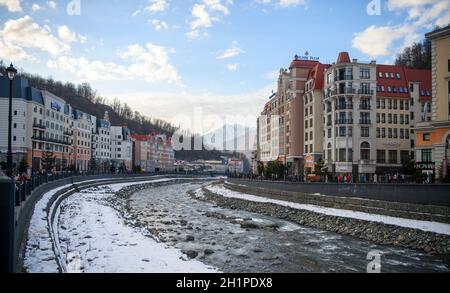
(398,75)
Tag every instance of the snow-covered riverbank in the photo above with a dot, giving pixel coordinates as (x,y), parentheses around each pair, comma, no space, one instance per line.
(93,238)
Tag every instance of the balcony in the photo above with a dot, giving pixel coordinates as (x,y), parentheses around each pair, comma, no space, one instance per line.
(365,92)
(343,91)
(365,121)
(344,106)
(344,121)
(343,77)
(39,126)
(365,107)
(68,133)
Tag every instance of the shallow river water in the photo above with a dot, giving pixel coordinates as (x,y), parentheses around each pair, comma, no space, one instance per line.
(216,235)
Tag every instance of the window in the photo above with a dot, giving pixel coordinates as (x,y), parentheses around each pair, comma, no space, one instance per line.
(390,118)
(398,75)
(383,104)
(389,132)
(386,75)
(427,156)
(426,137)
(380,74)
(365,151)
(342,155)
(392,75)
(342,131)
(365,132)
(393,157)
(389,89)
(378,117)
(402,105)
(383,89)
(395,105)
(395,118)
(402,133)
(365,73)
(378,133)
(383,132)
(390,104)
(383,118)
(394,89)
(381,156)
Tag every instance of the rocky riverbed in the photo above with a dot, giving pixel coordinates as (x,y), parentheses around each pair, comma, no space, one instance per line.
(240,236)
(379,233)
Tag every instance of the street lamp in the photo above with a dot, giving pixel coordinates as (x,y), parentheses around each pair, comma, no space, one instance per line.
(11,73)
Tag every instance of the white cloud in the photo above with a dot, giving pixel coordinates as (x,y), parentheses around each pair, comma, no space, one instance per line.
(66,35)
(205,13)
(235,50)
(232,67)
(52,4)
(149,63)
(284,3)
(377,41)
(159,24)
(171,106)
(136,13)
(24,33)
(35,7)
(12,5)
(157,6)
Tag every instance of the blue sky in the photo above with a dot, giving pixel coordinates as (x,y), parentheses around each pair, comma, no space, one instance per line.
(166,57)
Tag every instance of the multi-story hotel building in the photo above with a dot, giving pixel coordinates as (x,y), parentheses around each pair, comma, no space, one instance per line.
(23,97)
(101,142)
(433,137)
(82,125)
(281,124)
(350,138)
(143,153)
(56,139)
(314,119)
(164,153)
(121,148)
(402,96)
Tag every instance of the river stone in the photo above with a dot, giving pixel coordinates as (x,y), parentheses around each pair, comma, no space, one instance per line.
(192,254)
(190,238)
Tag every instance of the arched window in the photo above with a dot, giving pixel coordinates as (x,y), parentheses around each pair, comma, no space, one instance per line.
(365,151)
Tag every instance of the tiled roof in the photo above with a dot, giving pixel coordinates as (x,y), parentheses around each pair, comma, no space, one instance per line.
(343,57)
(140,137)
(423,76)
(318,74)
(392,77)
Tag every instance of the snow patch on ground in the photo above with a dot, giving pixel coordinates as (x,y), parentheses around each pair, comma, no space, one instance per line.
(96,238)
(105,244)
(439,228)
(39,255)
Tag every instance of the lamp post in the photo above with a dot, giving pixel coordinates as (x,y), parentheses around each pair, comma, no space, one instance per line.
(11,73)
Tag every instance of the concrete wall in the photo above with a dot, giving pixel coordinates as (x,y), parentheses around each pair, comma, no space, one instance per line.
(404,193)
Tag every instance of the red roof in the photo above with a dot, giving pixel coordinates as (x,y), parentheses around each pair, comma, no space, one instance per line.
(318,75)
(299,63)
(399,77)
(343,57)
(423,76)
(140,137)
(396,80)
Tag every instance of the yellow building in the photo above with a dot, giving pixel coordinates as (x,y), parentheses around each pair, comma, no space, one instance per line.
(432,138)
